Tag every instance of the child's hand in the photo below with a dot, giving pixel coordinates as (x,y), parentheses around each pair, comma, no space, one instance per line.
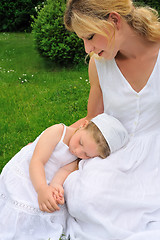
(46,199)
(58,193)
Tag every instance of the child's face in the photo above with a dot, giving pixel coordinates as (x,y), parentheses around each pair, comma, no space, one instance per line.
(83,145)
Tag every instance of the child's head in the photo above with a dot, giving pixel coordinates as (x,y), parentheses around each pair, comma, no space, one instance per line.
(112,131)
(99,137)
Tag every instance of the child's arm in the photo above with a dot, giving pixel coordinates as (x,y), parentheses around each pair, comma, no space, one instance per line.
(43,150)
(63,173)
(60,177)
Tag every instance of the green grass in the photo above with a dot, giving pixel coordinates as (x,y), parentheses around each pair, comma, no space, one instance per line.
(34,93)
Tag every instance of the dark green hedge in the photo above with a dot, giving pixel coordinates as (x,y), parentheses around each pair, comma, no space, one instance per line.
(15,15)
(151,3)
(52,39)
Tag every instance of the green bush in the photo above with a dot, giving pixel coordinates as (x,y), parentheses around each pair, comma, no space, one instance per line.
(15,16)
(151,3)
(51,37)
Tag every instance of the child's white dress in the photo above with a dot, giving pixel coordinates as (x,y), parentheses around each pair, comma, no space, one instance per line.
(20,217)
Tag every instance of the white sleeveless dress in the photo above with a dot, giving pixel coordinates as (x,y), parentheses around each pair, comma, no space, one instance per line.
(119,198)
(20,217)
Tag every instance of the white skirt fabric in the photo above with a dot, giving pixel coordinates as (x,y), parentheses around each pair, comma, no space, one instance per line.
(20,221)
(20,216)
(117,198)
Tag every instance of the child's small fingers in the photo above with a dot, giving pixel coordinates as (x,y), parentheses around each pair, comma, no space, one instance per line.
(54,205)
(55,194)
(61,191)
(40,207)
(60,201)
(61,194)
(44,208)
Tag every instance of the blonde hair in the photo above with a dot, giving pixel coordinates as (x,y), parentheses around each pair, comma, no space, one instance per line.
(91,16)
(103,147)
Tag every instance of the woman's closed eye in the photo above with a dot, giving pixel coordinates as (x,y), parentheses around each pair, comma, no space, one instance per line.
(90,37)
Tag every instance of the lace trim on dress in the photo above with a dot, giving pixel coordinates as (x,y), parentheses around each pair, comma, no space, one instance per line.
(20,205)
(29,209)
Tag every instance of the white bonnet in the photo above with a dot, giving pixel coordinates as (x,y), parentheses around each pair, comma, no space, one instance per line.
(112,129)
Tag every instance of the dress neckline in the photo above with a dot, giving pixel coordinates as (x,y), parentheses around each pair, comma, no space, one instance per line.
(148,81)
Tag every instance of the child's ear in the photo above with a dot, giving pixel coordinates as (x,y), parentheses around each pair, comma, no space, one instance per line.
(84,124)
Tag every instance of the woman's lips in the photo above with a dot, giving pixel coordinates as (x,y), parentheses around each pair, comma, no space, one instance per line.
(100,53)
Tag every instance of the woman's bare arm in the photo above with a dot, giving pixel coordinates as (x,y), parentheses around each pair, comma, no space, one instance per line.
(95,100)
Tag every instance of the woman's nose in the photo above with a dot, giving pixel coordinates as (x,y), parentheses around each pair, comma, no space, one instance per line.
(88,46)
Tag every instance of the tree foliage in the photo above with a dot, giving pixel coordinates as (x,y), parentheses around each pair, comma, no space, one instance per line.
(52,39)
(15,16)
(151,3)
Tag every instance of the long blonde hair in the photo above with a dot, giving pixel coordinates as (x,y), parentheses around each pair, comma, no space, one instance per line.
(91,16)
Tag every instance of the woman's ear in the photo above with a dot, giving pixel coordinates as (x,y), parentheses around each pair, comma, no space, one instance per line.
(115,18)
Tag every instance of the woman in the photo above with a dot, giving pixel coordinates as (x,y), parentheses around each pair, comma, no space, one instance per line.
(121,199)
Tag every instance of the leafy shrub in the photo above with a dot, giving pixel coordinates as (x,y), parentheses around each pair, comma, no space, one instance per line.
(15,16)
(151,3)
(51,37)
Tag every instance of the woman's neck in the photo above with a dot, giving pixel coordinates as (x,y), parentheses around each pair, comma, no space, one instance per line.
(133,45)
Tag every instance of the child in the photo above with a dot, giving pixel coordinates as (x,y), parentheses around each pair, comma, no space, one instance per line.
(30,171)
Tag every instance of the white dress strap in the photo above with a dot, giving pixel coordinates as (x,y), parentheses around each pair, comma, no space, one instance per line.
(64,132)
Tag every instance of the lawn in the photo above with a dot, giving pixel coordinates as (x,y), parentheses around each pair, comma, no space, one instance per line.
(34,93)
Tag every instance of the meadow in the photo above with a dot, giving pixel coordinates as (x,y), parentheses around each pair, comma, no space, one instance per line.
(35,93)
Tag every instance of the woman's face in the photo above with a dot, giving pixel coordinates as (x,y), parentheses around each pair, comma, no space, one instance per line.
(105,46)
(101,45)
